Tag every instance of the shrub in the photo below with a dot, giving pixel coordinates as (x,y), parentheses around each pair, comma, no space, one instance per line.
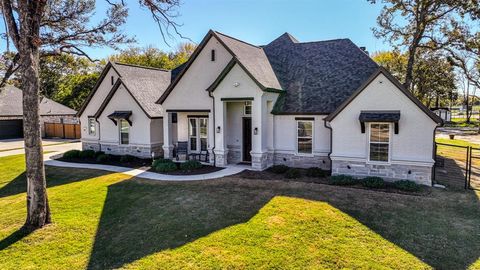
(72,154)
(373,182)
(190,165)
(98,153)
(342,180)
(279,169)
(160,161)
(87,154)
(166,167)
(293,173)
(406,185)
(315,172)
(127,158)
(103,158)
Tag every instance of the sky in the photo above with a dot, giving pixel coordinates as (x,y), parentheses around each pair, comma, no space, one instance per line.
(255,21)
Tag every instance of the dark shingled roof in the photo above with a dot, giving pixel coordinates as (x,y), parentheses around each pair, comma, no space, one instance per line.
(379,116)
(317,76)
(11,104)
(145,84)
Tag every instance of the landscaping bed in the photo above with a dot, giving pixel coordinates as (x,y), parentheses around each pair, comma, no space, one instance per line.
(168,166)
(316,175)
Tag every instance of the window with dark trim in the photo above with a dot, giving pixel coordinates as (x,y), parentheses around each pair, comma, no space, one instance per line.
(174,118)
(213,55)
(124,131)
(379,142)
(91,126)
(304,137)
(111,78)
(247,108)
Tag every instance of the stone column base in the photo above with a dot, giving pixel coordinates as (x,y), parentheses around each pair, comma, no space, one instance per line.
(221,157)
(167,151)
(260,161)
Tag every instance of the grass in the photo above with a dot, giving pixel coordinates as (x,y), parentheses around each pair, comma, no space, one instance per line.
(457,142)
(19,148)
(461,122)
(108,220)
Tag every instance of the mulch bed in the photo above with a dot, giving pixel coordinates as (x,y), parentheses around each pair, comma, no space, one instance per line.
(203,170)
(135,163)
(268,175)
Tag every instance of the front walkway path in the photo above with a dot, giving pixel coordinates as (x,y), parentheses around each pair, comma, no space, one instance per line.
(230,170)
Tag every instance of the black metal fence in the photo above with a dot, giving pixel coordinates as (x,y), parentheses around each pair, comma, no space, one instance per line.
(457,167)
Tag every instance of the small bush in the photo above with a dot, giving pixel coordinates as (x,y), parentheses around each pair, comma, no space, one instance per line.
(190,165)
(160,161)
(166,167)
(293,173)
(87,154)
(98,153)
(406,185)
(279,169)
(315,172)
(342,180)
(373,182)
(103,158)
(127,158)
(72,154)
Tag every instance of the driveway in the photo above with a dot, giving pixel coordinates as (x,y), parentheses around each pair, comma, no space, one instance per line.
(15,147)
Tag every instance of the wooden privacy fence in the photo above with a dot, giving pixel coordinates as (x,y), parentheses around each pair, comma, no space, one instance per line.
(65,131)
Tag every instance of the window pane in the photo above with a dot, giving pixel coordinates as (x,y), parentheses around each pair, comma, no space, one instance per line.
(203,127)
(305,145)
(193,126)
(378,152)
(203,144)
(124,130)
(304,129)
(193,143)
(248,108)
(379,133)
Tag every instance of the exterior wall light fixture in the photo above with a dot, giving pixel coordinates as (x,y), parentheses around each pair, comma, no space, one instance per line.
(255,131)
(236,84)
(219,129)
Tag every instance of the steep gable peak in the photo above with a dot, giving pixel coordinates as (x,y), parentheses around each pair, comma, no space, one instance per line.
(284,38)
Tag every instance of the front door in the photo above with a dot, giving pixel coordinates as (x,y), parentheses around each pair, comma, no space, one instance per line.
(247,139)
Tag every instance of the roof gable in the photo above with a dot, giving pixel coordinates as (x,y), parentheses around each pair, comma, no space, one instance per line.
(398,85)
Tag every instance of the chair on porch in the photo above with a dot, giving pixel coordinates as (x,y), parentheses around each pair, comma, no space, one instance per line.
(181,149)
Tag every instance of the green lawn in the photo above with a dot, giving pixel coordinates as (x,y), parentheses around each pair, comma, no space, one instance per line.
(457,142)
(107,220)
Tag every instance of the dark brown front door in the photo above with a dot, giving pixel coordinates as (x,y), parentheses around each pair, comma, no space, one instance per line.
(247,139)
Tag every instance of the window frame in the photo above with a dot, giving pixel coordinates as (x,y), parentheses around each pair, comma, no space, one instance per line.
(297,137)
(369,142)
(212,55)
(120,132)
(198,134)
(245,105)
(91,123)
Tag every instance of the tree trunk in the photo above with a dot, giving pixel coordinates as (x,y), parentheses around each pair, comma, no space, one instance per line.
(38,211)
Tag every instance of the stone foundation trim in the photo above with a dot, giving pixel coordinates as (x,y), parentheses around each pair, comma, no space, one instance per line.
(260,160)
(142,151)
(390,172)
(301,161)
(221,157)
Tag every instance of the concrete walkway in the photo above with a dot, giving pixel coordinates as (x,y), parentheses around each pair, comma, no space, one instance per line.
(48,148)
(229,170)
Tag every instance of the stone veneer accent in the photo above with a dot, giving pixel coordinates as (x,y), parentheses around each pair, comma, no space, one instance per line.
(261,161)
(419,174)
(114,149)
(299,161)
(234,155)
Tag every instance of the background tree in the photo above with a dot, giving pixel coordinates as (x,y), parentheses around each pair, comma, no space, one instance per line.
(153,57)
(50,28)
(416,24)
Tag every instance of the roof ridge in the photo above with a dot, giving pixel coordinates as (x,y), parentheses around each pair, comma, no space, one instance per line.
(144,67)
(327,40)
(239,40)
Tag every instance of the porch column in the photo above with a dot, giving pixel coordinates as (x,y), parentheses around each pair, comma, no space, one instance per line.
(259,151)
(167,136)
(221,150)
(211,137)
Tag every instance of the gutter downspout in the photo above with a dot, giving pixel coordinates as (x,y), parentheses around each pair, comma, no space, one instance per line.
(434,154)
(214,144)
(331,143)
(99,136)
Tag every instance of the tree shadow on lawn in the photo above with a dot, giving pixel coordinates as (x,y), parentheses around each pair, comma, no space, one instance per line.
(55,176)
(141,218)
(14,237)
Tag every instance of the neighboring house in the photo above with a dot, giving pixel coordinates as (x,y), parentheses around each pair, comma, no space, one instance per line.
(443,113)
(314,104)
(11,113)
